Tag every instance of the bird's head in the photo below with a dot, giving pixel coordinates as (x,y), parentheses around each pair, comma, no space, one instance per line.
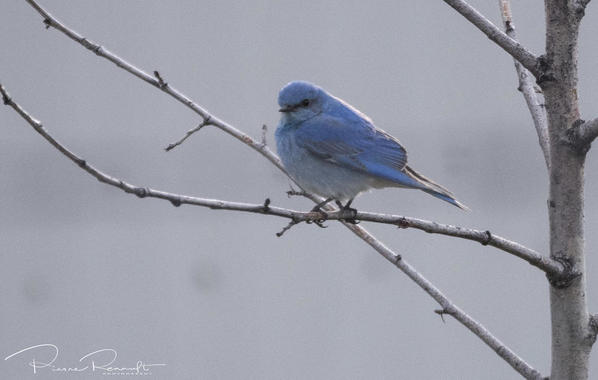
(300,101)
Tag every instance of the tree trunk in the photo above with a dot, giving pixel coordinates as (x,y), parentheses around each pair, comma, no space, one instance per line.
(571,342)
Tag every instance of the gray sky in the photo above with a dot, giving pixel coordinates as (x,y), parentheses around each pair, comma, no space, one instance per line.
(214,294)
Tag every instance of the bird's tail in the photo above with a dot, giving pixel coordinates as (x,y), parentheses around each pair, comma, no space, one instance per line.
(433,188)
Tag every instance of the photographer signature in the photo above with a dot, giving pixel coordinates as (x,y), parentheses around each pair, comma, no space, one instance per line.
(44,357)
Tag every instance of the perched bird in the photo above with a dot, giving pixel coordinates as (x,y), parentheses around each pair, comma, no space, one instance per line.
(333,150)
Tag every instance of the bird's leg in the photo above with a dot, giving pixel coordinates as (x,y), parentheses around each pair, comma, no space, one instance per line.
(347,208)
(318,208)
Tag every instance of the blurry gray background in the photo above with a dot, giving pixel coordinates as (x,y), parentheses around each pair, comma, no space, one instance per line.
(215,294)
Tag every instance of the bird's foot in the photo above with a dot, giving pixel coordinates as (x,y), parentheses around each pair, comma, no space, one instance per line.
(349,211)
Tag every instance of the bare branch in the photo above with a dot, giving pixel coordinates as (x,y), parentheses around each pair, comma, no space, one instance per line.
(503,351)
(187,135)
(527,86)
(156,81)
(534,258)
(511,46)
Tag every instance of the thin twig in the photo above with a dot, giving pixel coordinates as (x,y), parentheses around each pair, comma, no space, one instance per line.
(478,329)
(527,86)
(189,133)
(503,351)
(511,46)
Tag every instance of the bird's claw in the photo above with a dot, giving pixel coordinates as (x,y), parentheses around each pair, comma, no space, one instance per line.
(318,222)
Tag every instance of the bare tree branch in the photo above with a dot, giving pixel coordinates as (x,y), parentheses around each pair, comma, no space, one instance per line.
(158,82)
(527,86)
(187,135)
(534,258)
(511,46)
(551,267)
(503,351)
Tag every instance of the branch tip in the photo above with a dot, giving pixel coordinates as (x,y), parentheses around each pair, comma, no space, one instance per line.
(187,134)
(287,227)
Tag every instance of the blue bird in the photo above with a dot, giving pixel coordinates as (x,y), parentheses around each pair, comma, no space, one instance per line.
(333,150)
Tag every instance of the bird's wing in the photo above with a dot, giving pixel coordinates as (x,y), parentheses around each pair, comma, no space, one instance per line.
(355,144)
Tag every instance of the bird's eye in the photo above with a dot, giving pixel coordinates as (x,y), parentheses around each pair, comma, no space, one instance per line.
(305,102)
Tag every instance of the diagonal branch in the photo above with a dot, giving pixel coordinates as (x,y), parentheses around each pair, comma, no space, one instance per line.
(510,45)
(156,81)
(527,85)
(479,330)
(450,308)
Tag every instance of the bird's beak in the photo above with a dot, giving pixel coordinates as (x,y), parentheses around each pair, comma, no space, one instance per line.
(287,109)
